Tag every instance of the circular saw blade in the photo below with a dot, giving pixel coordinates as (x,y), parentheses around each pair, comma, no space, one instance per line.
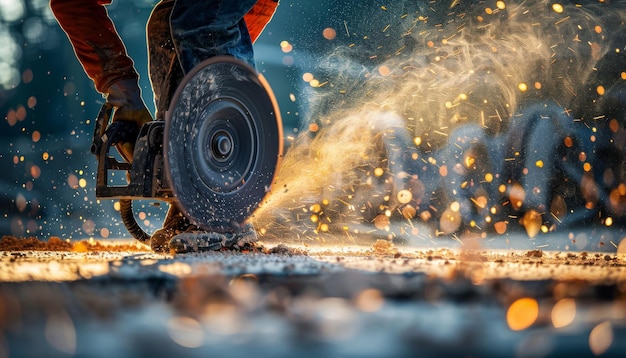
(223,143)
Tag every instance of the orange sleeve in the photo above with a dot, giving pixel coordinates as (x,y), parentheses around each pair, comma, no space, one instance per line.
(259,16)
(96,43)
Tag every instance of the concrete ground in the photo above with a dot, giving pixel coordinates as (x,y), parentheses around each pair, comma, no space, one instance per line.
(309,301)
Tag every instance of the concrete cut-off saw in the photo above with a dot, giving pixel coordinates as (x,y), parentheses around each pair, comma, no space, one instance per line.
(214,156)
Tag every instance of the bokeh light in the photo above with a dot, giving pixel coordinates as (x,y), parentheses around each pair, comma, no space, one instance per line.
(522,313)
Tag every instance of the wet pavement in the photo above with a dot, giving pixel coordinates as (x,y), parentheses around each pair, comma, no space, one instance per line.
(313,301)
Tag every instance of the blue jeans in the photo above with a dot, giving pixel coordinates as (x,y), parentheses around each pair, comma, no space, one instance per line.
(202,29)
(183,33)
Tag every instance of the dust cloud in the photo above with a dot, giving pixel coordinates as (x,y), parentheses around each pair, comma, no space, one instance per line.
(476,119)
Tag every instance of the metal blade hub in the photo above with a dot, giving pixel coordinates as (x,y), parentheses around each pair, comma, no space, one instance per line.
(223,142)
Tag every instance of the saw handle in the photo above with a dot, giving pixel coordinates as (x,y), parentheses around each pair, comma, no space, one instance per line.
(144,174)
(102,121)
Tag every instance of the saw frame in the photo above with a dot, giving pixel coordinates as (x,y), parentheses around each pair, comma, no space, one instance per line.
(214,156)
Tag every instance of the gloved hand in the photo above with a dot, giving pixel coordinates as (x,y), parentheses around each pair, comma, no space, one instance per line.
(125,97)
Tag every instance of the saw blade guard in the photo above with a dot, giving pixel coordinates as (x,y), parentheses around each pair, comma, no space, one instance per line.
(223,143)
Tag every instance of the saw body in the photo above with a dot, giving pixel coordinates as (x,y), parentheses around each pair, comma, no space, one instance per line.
(214,156)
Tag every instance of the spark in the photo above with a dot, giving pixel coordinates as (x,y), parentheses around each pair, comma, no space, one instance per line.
(562,20)
(522,314)
(456,238)
(329,33)
(601,338)
(558,8)
(523,87)
(499,116)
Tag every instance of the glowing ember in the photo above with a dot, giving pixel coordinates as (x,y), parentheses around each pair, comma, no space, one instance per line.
(408,212)
(500,227)
(563,312)
(558,8)
(285,46)
(480,201)
(36,136)
(404,196)
(601,338)
(517,195)
(469,161)
(72,181)
(532,223)
(329,33)
(316,208)
(455,206)
(522,314)
(450,221)
(384,70)
(614,125)
(381,222)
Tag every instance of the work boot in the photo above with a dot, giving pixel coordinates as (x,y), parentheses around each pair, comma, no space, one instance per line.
(174,224)
(202,241)
(180,236)
(125,97)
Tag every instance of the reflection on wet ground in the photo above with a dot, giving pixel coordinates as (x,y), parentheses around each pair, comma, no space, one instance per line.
(311,301)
